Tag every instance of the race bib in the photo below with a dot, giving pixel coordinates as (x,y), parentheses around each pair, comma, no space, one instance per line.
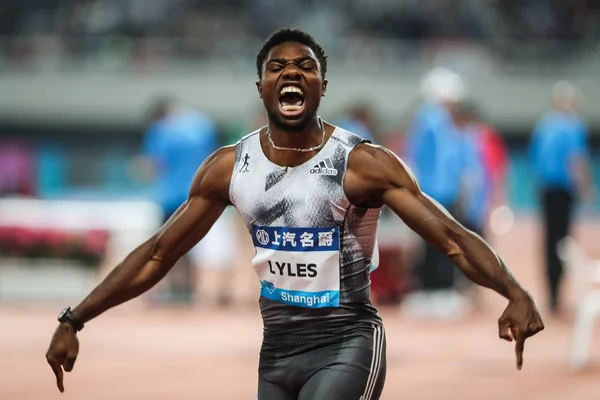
(298,266)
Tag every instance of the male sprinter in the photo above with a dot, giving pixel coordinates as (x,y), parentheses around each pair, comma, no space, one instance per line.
(310,194)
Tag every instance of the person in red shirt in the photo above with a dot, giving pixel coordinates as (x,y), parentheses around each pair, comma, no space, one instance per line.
(493,153)
(495,156)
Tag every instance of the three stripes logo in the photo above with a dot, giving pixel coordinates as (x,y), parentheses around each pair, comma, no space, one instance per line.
(325,167)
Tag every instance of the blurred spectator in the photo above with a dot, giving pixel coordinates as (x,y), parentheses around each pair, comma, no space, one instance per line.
(486,159)
(435,150)
(559,150)
(177,142)
(136,28)
(496,159)
(359,120)
(475,188)
(17,169)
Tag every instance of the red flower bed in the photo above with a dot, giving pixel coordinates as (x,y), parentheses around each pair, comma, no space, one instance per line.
(87,246)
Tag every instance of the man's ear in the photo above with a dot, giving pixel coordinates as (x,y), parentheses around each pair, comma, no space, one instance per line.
(259,87)
(324,87)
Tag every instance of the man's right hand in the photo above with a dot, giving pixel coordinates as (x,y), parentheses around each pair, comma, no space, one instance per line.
(62,352)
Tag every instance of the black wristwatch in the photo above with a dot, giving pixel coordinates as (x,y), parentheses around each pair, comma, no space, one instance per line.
(66,315)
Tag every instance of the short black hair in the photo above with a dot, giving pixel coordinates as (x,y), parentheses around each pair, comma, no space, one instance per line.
(291,35)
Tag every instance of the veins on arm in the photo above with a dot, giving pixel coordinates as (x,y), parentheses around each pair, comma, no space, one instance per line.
(376,176)
(149,263)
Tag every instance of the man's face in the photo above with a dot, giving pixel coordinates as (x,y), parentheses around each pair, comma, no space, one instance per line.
(291,86)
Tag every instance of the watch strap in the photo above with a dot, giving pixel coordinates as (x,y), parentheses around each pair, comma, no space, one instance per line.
(67,316)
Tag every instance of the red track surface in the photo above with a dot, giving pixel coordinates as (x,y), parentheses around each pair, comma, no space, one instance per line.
(211,354)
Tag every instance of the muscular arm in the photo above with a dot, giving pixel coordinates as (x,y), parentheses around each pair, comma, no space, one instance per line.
(145,266)
(387,180)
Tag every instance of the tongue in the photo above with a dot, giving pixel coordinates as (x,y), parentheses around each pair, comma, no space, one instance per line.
(290,103)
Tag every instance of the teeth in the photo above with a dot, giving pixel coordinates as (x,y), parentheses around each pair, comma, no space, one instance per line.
(291,89)
(292,108)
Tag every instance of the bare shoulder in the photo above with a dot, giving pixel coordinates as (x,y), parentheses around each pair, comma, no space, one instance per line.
(373,169)
(376,163)
(214,175)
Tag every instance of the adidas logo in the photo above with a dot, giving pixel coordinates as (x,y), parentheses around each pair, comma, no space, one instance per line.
(325,167)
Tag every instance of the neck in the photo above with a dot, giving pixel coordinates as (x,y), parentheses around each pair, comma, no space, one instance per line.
(309,136)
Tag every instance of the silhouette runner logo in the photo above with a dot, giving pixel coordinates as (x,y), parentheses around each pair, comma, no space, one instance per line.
(246,164)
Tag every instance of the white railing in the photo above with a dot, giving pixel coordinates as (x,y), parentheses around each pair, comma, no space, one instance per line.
(129,223)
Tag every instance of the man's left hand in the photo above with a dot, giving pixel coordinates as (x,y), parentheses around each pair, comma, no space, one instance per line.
(519,321)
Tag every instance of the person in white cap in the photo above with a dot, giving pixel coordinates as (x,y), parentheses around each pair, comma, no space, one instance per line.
(434,154)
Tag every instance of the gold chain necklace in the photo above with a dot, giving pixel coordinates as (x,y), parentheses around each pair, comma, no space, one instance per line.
(318,147)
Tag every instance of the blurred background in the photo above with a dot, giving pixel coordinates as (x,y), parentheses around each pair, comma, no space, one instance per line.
(107,108)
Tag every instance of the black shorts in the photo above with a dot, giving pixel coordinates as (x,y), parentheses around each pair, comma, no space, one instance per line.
(352,367)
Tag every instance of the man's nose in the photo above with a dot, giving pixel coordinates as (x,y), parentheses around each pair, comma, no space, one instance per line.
(291,72)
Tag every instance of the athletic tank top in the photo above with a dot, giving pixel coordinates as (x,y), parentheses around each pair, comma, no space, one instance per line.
(314,251)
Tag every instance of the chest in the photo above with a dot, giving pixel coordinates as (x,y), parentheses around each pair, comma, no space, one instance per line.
(311,194)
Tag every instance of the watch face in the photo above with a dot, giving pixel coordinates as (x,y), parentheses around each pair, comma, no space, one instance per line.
(63,313)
